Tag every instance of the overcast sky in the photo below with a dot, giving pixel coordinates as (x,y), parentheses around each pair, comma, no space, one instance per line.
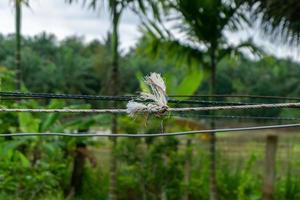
(54,16)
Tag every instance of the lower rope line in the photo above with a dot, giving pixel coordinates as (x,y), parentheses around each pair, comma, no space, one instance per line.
(223,130)
(188,109)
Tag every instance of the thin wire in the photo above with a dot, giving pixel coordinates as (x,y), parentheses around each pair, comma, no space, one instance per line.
(205,102)
(63,96)
(239,96)
(21,95)
(224,130)
(123,99)
(64,110)
(188,109)
(98,97)
(238,117)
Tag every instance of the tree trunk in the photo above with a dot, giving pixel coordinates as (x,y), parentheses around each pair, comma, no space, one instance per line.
(113,172)
(18,43)
(115,92)
(212,141)
(78,170)
(270,165)
(187,168)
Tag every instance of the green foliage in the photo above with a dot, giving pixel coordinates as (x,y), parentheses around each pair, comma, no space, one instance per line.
(95,184)
(240,183)
(202,24)
(48,67)
(21,179)
(188,85)
(161,159)
(40,168)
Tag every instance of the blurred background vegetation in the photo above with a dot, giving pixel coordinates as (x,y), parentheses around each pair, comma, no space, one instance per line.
(186,42)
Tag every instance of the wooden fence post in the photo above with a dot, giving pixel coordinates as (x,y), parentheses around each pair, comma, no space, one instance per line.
(270,165)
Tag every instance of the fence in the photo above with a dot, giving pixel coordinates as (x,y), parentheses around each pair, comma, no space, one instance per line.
(271,143)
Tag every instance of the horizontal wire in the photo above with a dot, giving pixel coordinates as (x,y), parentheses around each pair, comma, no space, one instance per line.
(63,110)
(206,102)
(239,96)
(123,99)
(236,117)
(21,95)
(223,130)
(98,97)
(188,109)
(64,96)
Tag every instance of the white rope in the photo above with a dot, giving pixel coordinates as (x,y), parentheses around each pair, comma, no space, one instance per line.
(239,107)
(123,111)
(155,134)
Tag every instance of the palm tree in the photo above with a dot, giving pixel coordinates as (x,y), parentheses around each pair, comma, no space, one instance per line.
(116,8)
(278,19)
(201,24)
(18,24)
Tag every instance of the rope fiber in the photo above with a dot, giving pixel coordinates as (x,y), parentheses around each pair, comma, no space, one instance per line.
(188,109)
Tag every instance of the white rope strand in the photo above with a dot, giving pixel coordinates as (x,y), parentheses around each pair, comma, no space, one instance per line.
(123,111)
(239,107)
(223,130)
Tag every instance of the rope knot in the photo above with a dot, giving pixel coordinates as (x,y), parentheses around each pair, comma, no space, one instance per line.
(157,95)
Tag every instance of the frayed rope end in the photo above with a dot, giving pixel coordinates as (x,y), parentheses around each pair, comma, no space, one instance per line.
(157,95)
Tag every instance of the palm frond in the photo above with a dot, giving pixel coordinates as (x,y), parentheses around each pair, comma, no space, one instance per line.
(249,45)
(279,19)
(174,50)
(206,19)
